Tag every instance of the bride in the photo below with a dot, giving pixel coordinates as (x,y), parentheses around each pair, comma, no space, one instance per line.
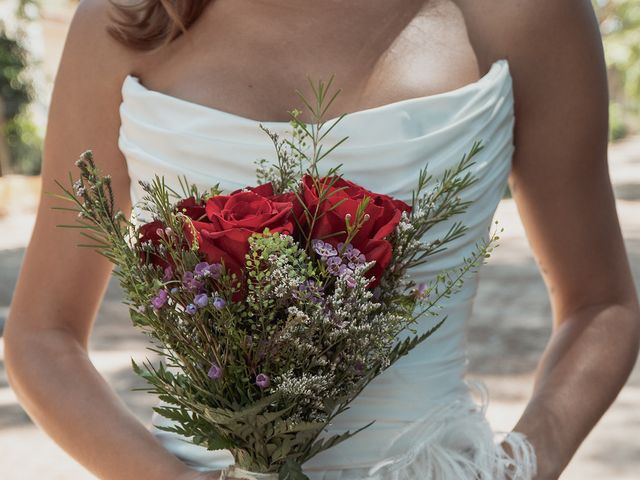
(150,87)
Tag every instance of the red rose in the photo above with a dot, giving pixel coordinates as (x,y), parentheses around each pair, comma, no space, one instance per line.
(266,190)
(149,233)
(192,208)
(344,197)
(231,219)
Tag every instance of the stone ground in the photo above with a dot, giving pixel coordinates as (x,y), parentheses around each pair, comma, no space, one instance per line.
(508,331)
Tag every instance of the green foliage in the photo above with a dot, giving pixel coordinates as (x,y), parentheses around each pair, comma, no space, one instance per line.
(25,145)
(23,140)
(620,27)
(16,90)
(617,127)
(291,471)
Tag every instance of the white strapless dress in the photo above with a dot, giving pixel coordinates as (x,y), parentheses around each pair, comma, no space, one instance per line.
(427,423)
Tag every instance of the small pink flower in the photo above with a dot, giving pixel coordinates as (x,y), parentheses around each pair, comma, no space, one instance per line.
(263,380)
(215,372)
(159,300)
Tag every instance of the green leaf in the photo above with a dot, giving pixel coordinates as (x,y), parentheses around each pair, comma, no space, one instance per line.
(324,444)
(291,471)
(282,451)
(408,344)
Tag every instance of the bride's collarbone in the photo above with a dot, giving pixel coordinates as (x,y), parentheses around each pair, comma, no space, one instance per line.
(258,75)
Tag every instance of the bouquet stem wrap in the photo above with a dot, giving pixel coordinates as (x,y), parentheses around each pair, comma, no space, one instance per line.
(234,472)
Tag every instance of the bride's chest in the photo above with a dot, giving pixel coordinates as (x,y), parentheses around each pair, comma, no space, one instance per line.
(250,57)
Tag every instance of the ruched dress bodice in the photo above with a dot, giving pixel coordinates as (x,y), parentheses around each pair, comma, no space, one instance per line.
(425,416)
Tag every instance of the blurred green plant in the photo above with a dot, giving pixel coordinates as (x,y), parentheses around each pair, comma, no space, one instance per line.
(24,144)
(20,142)
(617,126)
(16,91)
(620,27)
(26,7)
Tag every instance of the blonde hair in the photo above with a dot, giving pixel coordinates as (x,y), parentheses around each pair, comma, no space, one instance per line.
(149,24)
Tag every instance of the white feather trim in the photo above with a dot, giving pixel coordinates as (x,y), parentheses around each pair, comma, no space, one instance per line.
(452,442)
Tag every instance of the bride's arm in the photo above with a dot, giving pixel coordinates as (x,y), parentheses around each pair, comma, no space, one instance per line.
(61,285)
(561,185)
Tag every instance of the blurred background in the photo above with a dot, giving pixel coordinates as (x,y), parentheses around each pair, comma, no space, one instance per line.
(505,343)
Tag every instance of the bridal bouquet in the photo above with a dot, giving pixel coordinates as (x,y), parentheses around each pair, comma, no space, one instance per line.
(273,306)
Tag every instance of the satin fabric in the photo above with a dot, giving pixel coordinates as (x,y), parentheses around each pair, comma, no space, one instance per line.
(427,423)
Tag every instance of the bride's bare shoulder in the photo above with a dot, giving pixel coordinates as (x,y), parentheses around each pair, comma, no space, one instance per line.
(549,44)
(90,46)
(530,28)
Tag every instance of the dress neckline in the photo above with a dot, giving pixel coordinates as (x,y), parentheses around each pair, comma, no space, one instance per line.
(492,75)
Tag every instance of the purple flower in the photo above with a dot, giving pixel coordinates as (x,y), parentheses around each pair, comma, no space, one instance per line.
(159,300)
(359,260)
(351,253)
(323,249)
(191,309)
(168,274)
(310,283)
(309,290)
(200,268)
(333,265)
(201,300)
(219,303)
(344,270)
(174,290)
(351,282)
(215,372)
(315,297)
(191,282)
(335,260)
(204,269)
(342,248)
(215,270)
(263,380)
